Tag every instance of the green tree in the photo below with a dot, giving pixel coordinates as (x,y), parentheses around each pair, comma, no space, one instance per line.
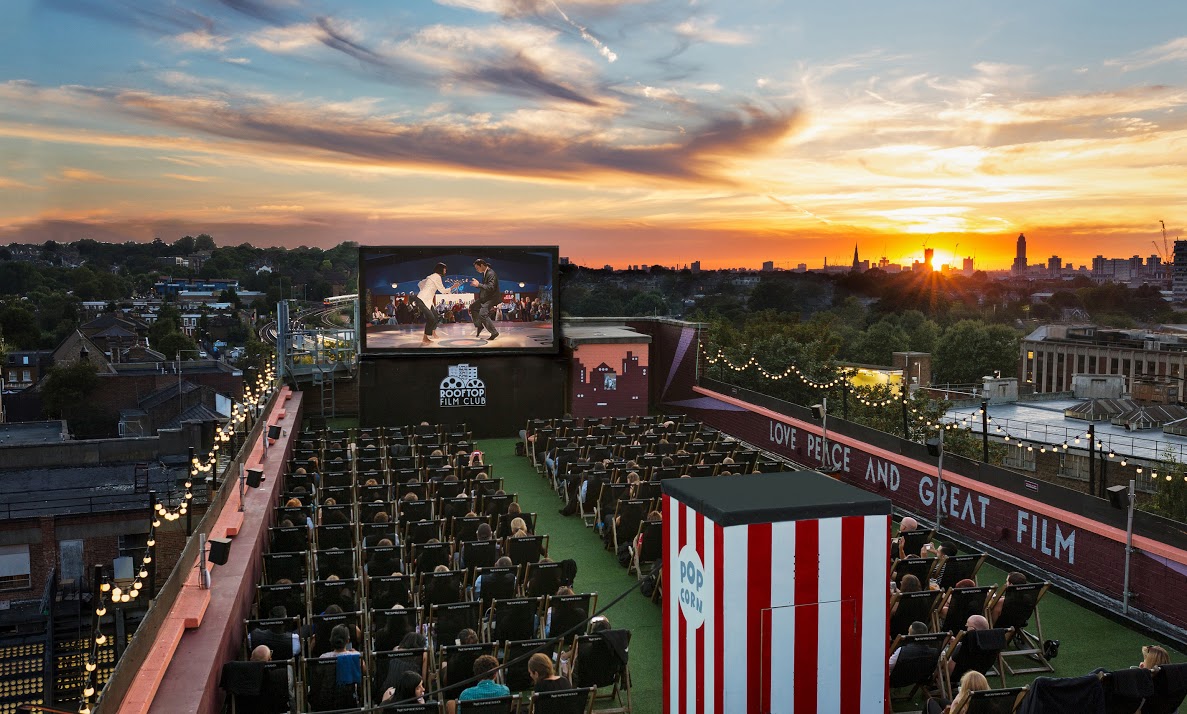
(175,343)
(971,349)
(879,341)
(67,386)
(204,242)
(19,328)
(184,245)
(648,303)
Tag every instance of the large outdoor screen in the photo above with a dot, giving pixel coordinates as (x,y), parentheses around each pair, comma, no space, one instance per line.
(458,299)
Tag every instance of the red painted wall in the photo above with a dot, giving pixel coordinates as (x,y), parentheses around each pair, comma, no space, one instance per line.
(1083,551)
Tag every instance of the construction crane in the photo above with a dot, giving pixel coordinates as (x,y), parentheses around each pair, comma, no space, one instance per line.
(1165,251)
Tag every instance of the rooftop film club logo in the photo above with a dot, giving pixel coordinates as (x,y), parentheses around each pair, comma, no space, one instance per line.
(463,388)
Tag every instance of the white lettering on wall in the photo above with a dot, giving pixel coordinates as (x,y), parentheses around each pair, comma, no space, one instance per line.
(1048,539)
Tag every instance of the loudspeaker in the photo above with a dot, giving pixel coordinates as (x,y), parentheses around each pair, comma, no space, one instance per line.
(220,550)
(274,432)
(254,478)
(1119,497)
(818,412)
(933,447)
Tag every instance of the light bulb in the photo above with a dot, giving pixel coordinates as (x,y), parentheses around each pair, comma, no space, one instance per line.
(101,639)
(115,593)
(101,612)
(156,523)
(88,692)
(152,542)
(91,666)
(105,587)
(147,559)
(143,573)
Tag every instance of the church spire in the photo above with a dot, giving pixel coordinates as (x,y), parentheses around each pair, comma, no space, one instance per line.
(856,263)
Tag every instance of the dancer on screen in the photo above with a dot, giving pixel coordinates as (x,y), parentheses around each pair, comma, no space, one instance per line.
(488,296)
(426,298)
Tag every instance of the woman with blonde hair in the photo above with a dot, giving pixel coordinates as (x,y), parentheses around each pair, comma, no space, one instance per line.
(1154,656)
(971,681)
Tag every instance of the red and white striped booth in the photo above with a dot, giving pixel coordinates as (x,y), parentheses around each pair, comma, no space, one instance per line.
(775,595)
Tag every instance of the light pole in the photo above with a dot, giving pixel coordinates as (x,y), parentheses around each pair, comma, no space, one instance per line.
(1121,497)
(935,447)
(820,411)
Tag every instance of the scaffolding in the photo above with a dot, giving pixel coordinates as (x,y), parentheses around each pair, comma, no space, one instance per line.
(316,356)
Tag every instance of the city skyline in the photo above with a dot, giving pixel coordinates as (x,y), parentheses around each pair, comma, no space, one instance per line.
(626,131)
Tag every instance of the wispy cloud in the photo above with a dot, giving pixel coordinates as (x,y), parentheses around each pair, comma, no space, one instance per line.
(73,174)
(474,143)
(1171,51)
(187,177)
(705,29)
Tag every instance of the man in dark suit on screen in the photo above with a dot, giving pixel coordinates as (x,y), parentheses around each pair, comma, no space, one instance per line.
(488,296)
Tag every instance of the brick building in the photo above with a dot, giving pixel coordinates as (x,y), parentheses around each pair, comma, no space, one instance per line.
(1052,355)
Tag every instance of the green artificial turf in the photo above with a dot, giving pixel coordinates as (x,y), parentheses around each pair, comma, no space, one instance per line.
(597,569)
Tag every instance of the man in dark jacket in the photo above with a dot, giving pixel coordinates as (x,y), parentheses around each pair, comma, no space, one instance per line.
(488,297)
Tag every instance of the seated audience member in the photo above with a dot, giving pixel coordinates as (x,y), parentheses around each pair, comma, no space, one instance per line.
(409,689)
(543,678)
(653,517)
(1154,656)
(495,586)
(975,622)
(285,645)
(485,667)
(911,649)
(460,665)
(263,654)
(972,681)
(1014,578)
(906,525)
(966,583)
(908,584)
(340,642)
(398,666)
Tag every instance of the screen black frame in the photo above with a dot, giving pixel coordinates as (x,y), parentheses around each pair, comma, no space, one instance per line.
(490,252)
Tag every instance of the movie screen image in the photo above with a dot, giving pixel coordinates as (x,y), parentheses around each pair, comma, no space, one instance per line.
(457,299)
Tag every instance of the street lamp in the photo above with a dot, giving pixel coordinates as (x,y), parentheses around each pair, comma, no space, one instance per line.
(1120,497)
(935,447)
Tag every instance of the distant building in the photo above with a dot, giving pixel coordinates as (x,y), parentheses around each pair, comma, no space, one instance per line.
(1054,266)
(768,266)
(801,268)
(929,256)
(968,267)
(1019,267)
(856,260)
(1179,271)
(696,266)
(1051,356)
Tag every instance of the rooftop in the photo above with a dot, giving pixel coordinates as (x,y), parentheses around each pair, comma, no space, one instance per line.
(24,433)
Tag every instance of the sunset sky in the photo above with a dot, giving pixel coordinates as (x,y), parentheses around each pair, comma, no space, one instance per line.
(627,131)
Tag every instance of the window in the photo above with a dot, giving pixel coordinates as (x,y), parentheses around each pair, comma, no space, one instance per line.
(14,567)
(1018,457)
(132,544)
(12,376)
(1073,466)
(26,375)
(611,381)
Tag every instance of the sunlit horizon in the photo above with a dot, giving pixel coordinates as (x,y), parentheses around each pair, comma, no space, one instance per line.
(626,131)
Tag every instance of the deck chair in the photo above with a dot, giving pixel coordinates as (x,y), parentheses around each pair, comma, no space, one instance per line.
(1126,689)
(1056,694)
(962,603)
(563,701)
(1021,604)
(565,613)
(460,661)
(921,568)
(388,628)
(514,619)
(438,588)
(257,686)
(601,663)
(911,607)
(541,579)
(918,663)
(479,554)
(515,661)
(425,557)
(381,662)
(652,549)
(525,549)
(1170,689)
(495,705)
(446,621)
(389,590)
(631,514)
(913,541)
(976,650)
(433,707)
(322,691)
(994,701)
(952,570)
